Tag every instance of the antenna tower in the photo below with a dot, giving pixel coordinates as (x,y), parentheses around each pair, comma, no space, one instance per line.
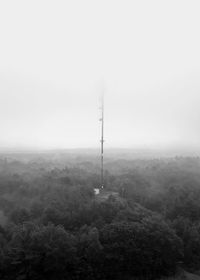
(102,140)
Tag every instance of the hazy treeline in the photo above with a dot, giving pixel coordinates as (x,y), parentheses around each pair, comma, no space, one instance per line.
(53,227)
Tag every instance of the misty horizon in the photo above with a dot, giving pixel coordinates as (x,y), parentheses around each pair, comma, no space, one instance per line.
(51,74)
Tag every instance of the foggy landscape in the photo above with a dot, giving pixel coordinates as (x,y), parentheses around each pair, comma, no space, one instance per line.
(99,140)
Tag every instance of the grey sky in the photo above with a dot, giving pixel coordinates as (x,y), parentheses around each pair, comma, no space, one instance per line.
(53,55)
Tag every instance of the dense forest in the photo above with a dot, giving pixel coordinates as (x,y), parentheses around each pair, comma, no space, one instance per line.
(144,225)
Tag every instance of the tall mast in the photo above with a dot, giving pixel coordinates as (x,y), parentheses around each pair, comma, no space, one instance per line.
(102,140)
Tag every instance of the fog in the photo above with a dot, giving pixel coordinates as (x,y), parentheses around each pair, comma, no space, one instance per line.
(56,55)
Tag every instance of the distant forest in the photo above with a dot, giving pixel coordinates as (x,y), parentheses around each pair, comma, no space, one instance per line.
(145,224)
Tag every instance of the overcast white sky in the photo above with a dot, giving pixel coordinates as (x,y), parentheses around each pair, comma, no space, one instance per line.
(54,55)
